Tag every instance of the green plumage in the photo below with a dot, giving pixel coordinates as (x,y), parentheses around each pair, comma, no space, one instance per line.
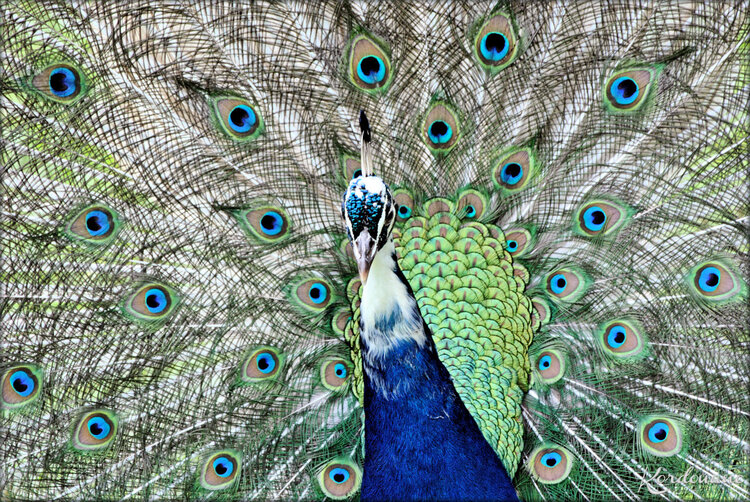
(574,228)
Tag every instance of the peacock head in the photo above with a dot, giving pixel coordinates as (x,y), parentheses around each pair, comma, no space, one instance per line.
(369,213)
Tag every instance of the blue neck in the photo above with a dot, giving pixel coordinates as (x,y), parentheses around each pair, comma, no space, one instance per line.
(421,443)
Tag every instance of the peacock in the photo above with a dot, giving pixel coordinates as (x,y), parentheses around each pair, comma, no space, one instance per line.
(374,250)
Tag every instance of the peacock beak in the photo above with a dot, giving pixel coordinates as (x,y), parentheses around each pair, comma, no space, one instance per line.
(364,252)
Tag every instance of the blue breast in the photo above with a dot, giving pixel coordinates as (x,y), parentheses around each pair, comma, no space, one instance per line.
(421,443)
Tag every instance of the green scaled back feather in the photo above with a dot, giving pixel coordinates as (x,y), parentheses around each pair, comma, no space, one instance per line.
(179,316)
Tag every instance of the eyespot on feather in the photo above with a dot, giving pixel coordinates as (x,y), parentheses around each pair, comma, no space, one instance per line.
(514,169)
(60,82)
(599,218)
(628,91)
(263,363)
(715,281)
(265,224)
(622,339)
(95,430)
(441,128)
(550,464)
(21,385)
(340,479)
(151,302)
(221,470)
(496,43)
(566,285)
(334,373)
(660,436)
(237,118)
(369,65)
(471,204)
(518,241)
(313,294)
(405,203)
(550,365)
(94,225)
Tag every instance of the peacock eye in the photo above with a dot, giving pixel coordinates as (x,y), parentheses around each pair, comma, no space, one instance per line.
(545,362)
(660,436)
(600,218)
(405,202)
(95,225)
(624,90)
(622,339)
(20,386)
(339,475)
(566,285)
(551,366)
(511,173)
(95,430)
(370,67)
(151,302)
(551,459)
(312,294)
(496,45)
(518,241)
(334,373)
(262,364)
(441,128)
(220,470)
(62,83)
(714,281)
(473,203)
(439,132)
(237,118)
(339,479)
(627,91)
(317,293)
(264,224)
(513,170)
(550,464)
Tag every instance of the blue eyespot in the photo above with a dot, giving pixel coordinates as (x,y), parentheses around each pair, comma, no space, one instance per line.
(22,383)
(470,211)
(511,246)
(558,283)
(62,82)
(371,69)
(265,362)
(551,459)
(339,475)
(511,173)
(271,223)
(223,467)
(625,90)
(545,362)
(97,223)
(156,301)
(494,46)
(709,279)
(340,370)
(616,337)
(98,427)
(404,211)
(242,119)
(658,432)
(594,218)
(318,293)
(440,132)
